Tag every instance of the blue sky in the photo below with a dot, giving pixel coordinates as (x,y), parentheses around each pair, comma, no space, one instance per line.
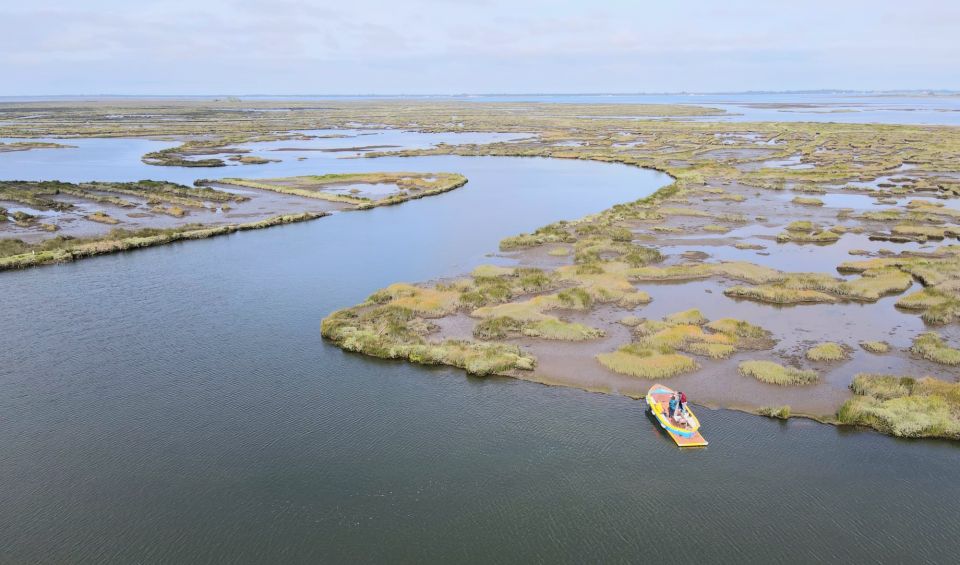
(477,46)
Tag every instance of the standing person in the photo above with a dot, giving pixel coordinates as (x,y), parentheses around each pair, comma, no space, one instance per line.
(683,402)
(672,405)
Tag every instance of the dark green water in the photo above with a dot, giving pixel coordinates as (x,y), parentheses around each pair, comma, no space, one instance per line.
(176,404)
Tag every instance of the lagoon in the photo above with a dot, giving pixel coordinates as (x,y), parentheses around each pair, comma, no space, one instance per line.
(177,404)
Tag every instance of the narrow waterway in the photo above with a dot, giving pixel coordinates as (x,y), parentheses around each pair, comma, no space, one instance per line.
(177,404)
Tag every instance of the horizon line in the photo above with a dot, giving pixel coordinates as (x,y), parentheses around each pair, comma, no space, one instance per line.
(928,91)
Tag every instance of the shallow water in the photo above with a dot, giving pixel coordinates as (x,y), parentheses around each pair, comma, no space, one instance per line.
(118,159)
(781,106)
(177,404)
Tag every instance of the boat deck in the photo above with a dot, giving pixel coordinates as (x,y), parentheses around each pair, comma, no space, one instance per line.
(661,395)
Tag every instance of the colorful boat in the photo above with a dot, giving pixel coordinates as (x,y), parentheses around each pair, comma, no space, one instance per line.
(684,432)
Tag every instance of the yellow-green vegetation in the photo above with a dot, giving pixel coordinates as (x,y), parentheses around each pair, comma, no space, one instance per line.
(28,145)
(777,374)
(16,254)
(655,354)
(811,236)
(875,346)
(800,288)
(631,321)
(527,318)
(605,283)
(807,201)
(175,211)
(646,363)
(904,406)
(924,232)
(828,351)
(429,302)
(409,186)
(736,270)
(394,323)
(722,180)
(939,306)
(932,347)
(553,328)
(778,294)
(251,160)
(781,412)
(688,317)
(102,217)
(939,272)
(43,195)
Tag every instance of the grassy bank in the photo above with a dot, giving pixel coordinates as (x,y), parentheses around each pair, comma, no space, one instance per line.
(15,254)
(409,186)
(904,406)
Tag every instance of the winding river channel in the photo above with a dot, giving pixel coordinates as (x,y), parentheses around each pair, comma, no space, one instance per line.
(176,404)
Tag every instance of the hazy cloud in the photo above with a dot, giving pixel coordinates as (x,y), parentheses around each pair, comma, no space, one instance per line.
(435,46)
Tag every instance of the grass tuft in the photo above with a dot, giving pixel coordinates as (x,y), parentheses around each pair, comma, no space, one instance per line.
(932,347)
(774,373)
(875,346)
(828,351)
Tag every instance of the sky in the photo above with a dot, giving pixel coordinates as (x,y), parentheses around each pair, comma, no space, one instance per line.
(290,47)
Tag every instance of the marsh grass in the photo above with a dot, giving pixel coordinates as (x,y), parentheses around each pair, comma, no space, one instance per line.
(692,316)
(932,347)
(802,236)
(647,364)
(15,254)
(395,332)
(779,295)
(937,306)
(774,373)
(555,329)
(498,328)
(781,412)
(410,186)
(631,321)
(102,217)
(875,346)
(828,351)
(807,201)
(904,406)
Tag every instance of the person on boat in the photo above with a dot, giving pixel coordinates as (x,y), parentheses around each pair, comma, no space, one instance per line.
(672,405)
(683,402)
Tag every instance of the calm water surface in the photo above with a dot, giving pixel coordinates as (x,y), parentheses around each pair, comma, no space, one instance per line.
(176,404)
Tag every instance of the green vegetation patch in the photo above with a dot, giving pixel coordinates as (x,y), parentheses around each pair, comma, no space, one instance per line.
(655,353)
(325,187)
(647,363)
(828,351)
(875,346)
(780,412)
(932,347)
(775,373)
(16,254)
(904,406)
(396,332)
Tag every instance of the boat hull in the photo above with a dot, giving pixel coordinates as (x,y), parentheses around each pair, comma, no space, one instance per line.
(684,436)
